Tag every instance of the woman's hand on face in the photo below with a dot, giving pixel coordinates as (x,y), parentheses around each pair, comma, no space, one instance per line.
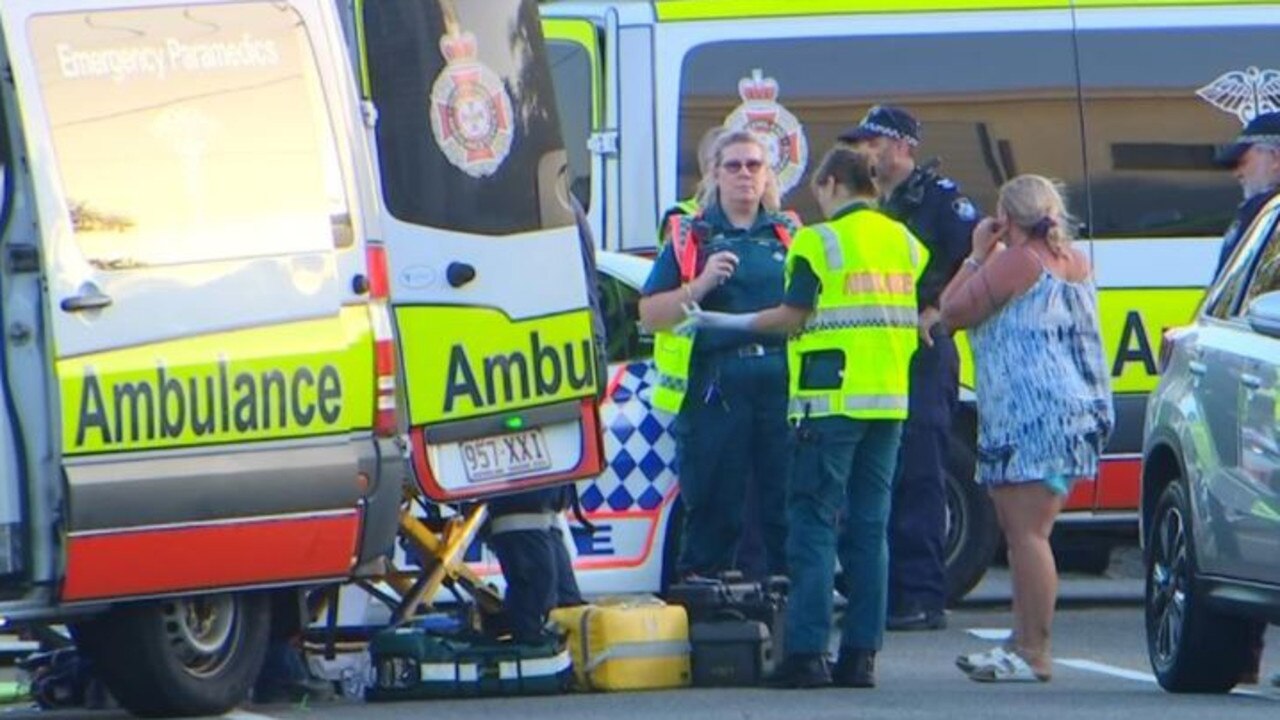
(986,235)
(720,267)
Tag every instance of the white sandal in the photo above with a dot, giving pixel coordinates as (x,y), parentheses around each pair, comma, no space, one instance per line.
(969,661)
(1005,666)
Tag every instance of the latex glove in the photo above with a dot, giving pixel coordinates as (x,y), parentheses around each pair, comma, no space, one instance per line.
(723,321)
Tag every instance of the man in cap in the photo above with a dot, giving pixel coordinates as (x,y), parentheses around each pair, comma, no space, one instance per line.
(1254,159)
(932,206)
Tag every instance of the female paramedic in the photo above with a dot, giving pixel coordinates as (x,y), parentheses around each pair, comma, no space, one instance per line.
(727,387)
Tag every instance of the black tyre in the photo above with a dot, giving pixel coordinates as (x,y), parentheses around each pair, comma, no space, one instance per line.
(972,530)
(182,656)
(671,547)
(1088,557)
(1192,648)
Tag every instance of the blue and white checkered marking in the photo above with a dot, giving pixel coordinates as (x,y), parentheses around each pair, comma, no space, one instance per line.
(639,448)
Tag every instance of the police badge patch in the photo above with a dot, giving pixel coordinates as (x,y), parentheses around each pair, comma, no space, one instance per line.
(470,109)
(783,136)
(964,209)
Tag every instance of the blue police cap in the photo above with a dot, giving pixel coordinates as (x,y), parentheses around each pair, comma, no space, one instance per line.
(884,121)
(1263,129)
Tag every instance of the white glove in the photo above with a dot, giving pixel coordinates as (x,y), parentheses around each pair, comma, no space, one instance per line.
(699,318)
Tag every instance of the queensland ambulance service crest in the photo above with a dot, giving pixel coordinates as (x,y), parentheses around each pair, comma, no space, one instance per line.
(470,109)
(782,133)
(1244,93)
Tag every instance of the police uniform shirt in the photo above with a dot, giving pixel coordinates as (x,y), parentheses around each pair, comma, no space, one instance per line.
(933,208)
(1245,215)
(756,285)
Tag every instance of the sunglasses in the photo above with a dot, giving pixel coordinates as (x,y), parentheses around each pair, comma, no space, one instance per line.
(735,166)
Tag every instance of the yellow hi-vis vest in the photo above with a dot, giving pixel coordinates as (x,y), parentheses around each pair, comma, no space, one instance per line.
(853,357)
(673,352)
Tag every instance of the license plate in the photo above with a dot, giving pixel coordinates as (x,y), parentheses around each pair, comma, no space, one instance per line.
(504,456)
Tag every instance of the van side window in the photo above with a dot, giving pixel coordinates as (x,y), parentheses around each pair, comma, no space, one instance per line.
(1156,102)
(985,118)
(1225,299)
(190,134)
(571,75)
(1266,278)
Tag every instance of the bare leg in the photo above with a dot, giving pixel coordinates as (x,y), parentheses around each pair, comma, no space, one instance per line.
(1028,511)
(1012,641)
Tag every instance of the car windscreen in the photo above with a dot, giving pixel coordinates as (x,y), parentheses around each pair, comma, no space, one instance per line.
(468,135)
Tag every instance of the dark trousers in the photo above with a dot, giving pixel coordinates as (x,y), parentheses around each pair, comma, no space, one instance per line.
(917,523)
(539,575)
(918,519)
(839,463)
(726,438)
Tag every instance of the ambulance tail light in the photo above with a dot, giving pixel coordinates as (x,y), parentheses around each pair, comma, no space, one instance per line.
(384,347)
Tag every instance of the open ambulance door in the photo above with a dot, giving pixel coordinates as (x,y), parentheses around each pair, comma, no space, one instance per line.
(487,282)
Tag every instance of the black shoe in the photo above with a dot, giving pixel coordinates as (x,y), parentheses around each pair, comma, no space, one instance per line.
(855,669)
(919,620)
(801,671)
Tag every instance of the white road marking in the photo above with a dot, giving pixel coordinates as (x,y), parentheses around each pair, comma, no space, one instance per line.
(246,715)
(992,634)
(1105,669)
(1113,671)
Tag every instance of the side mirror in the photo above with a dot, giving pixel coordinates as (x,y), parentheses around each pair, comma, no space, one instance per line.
(1263,314)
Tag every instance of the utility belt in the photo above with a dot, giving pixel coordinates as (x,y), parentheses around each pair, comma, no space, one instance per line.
(522,522)
(748,350)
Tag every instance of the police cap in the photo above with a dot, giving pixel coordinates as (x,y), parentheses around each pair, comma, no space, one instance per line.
(1262,130)
(884,121)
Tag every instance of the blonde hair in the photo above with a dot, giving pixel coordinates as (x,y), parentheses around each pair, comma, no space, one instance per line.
(709,192)
(1035,204)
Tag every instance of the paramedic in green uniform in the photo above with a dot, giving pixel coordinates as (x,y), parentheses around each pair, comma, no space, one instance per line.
(728,387)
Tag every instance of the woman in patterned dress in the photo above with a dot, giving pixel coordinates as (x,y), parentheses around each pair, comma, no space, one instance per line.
(1044,398)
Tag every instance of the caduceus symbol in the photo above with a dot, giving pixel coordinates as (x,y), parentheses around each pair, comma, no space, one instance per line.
(1244,93)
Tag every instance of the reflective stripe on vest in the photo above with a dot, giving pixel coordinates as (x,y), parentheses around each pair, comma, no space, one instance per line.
(821,404)
(673,352)
(863,316)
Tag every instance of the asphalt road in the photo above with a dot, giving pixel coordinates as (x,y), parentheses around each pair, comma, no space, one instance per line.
(1101,672)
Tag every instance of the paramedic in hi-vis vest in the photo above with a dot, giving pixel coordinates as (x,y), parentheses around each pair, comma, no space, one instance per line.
(850,307)
(943,219)
(727,388)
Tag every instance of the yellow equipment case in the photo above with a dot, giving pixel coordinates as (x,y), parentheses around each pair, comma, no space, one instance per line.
(627,644)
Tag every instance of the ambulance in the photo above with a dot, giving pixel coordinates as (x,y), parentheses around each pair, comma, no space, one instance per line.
(228,319)
(1121,101)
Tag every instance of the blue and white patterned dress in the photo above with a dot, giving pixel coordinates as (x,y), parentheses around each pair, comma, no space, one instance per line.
(1044,394)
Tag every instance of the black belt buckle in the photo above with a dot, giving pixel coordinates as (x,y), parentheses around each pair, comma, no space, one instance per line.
(751,350)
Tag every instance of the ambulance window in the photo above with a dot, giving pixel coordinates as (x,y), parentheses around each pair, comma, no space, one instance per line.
(571,74)
(1267,276)
(985,117)
(620,306)
(190,134)
(468,132)
(1156,101)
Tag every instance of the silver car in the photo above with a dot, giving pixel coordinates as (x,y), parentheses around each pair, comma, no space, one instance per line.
(1211,477)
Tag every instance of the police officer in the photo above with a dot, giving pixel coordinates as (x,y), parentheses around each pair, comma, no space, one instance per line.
(524,533)
(943,219)
(1254,159)
(728,388)
(851,293)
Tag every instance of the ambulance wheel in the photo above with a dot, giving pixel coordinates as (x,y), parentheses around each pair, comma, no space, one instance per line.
(180,657)
(972,531)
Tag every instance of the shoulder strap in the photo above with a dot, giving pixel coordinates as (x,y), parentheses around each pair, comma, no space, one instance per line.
(788,223)
(684,242)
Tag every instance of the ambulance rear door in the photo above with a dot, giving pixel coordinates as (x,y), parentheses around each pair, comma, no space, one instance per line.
(190,185)
(488,287)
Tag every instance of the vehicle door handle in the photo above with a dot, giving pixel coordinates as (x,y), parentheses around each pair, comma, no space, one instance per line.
(90,298)
(1253,382)
(459,274)
(1197,368)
